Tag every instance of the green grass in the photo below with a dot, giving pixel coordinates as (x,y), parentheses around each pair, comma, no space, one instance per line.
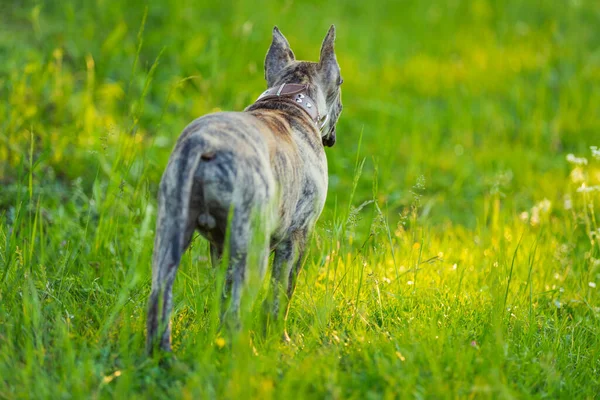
(429,281)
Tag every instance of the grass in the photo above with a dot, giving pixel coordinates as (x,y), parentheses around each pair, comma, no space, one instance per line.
(458,254)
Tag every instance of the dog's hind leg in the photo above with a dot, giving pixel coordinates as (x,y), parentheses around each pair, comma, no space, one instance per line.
(239,236)
(216,252)
(161,297)
(248,260)
(174,229)
(216,256)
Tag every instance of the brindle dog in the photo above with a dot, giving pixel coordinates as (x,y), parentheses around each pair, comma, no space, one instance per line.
(233,171)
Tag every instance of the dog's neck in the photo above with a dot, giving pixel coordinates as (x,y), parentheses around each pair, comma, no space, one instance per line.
(297,94)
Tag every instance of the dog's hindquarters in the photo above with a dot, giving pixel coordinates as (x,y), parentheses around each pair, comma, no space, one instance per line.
(206,186)
(232,196)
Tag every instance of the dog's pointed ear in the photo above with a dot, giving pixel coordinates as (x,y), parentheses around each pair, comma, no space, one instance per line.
(278,57)
(328,64)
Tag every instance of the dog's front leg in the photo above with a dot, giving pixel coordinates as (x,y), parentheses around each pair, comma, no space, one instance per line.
(282,264)
(300,242)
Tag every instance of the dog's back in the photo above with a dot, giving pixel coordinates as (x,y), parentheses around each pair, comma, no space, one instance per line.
(248,160)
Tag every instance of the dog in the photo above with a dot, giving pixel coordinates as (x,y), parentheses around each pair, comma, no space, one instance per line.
(255,179)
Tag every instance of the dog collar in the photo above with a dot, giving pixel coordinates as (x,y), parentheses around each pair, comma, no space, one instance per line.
(297,93)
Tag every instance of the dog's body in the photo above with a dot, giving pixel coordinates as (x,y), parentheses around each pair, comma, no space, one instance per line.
(260,175)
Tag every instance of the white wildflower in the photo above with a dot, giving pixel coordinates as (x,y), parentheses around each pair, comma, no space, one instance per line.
(577,175)
(544,206)
(587,189)
(557,303)
(524,216)
(535,216)
(568,203)
(537,211)
(595,152)
(576,160)
(592,285)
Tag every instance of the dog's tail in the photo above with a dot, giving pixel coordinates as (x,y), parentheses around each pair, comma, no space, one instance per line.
(172,227)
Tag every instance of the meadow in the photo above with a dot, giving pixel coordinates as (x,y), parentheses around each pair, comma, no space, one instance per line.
(459,252)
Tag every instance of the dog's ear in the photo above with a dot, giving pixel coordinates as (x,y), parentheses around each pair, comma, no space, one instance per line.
(278,57)
(328,65)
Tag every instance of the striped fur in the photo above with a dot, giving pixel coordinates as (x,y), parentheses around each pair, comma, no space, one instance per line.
(261,174)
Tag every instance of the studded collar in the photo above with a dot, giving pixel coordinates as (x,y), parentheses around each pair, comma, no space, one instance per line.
(295,93)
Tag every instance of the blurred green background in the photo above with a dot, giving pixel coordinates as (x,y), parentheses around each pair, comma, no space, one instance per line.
(450,162)
(466,93)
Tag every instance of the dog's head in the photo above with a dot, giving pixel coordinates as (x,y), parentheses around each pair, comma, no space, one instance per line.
(324,78)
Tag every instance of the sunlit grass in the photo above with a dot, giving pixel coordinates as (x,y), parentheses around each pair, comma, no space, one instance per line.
(458,254)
